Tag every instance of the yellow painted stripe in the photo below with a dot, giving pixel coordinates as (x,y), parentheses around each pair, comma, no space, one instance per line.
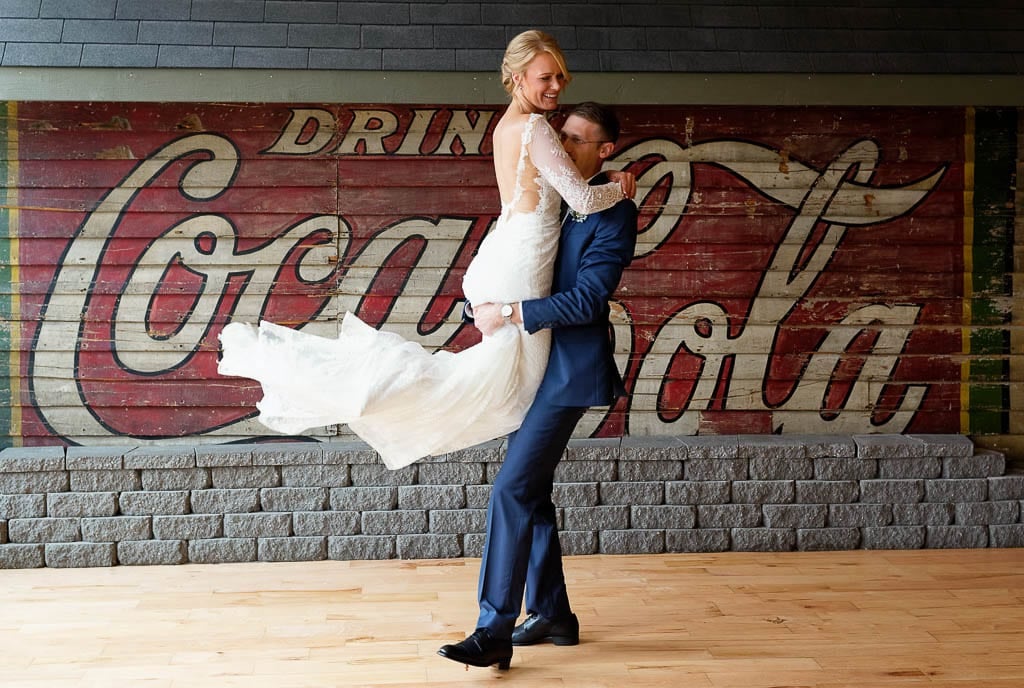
(967,316)
(13,252)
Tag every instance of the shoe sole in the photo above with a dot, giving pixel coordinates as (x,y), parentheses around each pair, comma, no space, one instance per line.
(560,640)
(503,664)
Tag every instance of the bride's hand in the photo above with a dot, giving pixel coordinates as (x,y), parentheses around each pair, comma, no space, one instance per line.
(626,180)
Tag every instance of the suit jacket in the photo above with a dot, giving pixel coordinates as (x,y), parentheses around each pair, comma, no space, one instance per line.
(591,257)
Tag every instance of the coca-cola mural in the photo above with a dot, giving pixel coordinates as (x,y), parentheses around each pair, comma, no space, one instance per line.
(798,270)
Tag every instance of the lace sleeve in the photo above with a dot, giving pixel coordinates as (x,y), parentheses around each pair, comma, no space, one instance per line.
(557,168)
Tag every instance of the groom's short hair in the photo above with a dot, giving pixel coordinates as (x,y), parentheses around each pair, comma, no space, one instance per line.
(600,115)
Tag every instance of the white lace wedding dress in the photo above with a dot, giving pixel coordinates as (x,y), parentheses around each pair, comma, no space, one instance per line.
(402,400)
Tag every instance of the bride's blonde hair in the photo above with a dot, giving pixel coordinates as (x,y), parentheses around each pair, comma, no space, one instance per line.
(522,49)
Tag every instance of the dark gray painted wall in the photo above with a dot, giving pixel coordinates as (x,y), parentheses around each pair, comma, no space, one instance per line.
(722,36)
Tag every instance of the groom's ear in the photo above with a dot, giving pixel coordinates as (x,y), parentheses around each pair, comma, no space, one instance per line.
(605,150)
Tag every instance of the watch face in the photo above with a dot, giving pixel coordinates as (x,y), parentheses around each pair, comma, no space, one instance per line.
(506,311)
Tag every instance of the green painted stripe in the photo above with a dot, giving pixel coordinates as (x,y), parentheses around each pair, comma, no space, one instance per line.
(6,287)
(995,160)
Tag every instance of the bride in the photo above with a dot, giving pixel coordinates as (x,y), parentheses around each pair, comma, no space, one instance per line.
(404,401)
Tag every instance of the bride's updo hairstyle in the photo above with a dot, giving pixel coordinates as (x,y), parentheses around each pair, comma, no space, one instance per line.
(522,49)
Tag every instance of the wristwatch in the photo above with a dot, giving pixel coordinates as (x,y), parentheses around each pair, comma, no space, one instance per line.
(506,311)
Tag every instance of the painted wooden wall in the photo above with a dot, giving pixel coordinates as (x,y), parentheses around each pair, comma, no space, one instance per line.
(798,269)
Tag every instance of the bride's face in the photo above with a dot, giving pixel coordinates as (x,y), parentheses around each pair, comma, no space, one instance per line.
(541,83)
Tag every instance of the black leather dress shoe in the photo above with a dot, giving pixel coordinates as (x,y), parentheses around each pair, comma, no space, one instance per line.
(480,649)
(537,629)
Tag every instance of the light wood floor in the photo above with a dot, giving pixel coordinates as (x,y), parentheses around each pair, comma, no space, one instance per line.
(841,620)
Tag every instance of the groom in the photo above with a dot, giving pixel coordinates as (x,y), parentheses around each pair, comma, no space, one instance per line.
(522,545)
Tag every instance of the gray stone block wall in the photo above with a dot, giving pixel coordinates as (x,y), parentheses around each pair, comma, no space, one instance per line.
(310,501)
(961,37)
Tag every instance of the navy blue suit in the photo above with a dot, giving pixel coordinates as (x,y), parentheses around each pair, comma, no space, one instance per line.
(522,548)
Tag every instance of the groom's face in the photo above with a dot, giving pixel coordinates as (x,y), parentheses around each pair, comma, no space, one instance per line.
(586,144)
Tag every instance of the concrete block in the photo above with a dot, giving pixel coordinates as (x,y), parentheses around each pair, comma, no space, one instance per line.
(641,471)
(763,491)
(332,475)
(222,550)
(924,467)
(924,514)
(697,540)
(778,468)
(1001,536)
(888,446)
(577,542)
(22,505)
(294,498)
(596,518)
(379,475)
(956,537)
(984,464)
(829,446)
(631,493)
(78,504)
(176,479)
(585,472)
(364,498)
(291,549)
(431,497)
(485,452)
(662,517)
(473,544)
(161,456)
(348,452)
(631,541)
(74,555)
(710,446)
(261,525)
(945,445)
(458,521)
(699,492)
(451,474)
(806,516)
(152,552)
(594,448)
(987,513)
(429,546)
(562,495)
(394,522)
(789,447)
(31,459)
(478,496)
(893,537)
(827,539)
(224,455)
(22,556)
(312,523)
(96,458)
(288,454)
(763,539)
(999,488)
(117,528)
(188,527)
(105,481)
(32,530)
(827,491)
(33,483)
(949,490)
(859,515)
(716,469)
(643,448)
(361,547)
(236,477)
(891,491)
(845,469)
(728,515)
(153,503)
(236,501)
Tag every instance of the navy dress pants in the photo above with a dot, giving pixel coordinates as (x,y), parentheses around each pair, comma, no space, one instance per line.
(522,549)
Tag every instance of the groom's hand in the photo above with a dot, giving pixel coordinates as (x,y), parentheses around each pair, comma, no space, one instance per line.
(487,318)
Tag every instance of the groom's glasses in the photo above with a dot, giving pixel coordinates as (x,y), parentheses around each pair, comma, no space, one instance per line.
(576,140)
